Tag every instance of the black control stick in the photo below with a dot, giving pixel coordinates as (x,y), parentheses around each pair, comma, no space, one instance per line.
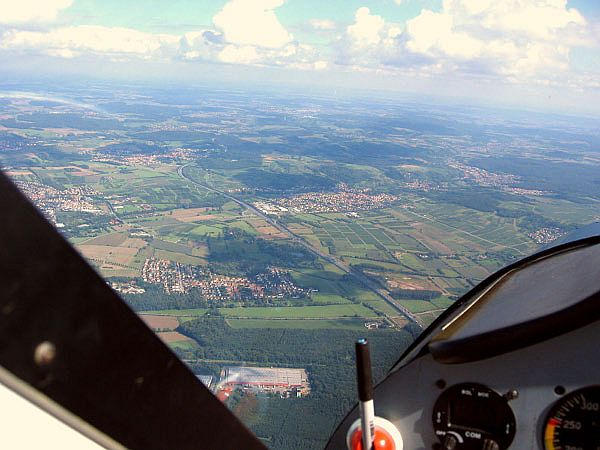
(364,378)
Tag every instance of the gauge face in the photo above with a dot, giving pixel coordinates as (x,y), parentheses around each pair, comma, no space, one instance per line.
(474,416)
(574,421)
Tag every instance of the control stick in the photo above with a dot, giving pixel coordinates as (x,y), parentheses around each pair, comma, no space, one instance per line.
(364,378)
(369,432)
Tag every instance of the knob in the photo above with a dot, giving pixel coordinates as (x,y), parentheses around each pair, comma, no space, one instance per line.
(450,442)
(490,444)
(386,436)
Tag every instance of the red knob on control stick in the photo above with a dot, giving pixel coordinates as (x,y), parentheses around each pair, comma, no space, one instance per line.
(385,436)
(382,440)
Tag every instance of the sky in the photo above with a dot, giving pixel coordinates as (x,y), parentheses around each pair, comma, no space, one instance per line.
(536,53)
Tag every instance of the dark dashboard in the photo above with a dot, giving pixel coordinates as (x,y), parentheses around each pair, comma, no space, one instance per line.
(514,364)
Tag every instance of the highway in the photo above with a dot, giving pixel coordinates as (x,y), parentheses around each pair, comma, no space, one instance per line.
(365,281)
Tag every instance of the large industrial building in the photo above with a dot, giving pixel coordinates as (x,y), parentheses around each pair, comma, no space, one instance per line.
(266,379)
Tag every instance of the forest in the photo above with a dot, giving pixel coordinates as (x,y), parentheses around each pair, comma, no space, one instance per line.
(328,356)
(156,299)
(264,180)
(239,252)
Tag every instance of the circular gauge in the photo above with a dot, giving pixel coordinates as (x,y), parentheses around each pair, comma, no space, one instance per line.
(470,416)
(574,421)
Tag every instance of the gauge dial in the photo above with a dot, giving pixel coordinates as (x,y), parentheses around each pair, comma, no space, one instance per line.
(574,421)
(471,416)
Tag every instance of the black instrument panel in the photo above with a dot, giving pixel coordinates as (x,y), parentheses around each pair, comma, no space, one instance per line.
(496,369)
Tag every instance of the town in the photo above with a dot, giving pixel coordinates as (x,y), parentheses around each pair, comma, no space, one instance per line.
(346,199)
(546,235)
(146,160)
(490,179)
(51,200)
(274,283)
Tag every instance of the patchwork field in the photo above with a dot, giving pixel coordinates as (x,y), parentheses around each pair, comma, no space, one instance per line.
(454,246)
(169,337)
(106,254)
(160,322)
(394,246)
(190,215)
(268,231)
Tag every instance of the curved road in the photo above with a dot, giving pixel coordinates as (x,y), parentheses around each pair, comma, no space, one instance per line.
(365,281)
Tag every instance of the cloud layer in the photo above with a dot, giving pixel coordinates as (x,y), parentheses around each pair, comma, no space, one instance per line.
(69,42)
(514,40)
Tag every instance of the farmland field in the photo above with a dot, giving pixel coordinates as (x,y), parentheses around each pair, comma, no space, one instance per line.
(160,322)
(306,324)
(173,336)
(330,311)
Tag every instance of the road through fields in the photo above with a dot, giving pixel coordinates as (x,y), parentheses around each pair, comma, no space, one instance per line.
(365,281)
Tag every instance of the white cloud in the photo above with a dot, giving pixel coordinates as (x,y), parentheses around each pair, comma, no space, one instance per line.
(246,32)
(250,33)
(210,46)
(24,11)
(509,37)
(541,19)
(309,66)
(68,42)
(513,40)
(298,56)
(522,41)
(367,42)
(252,22)
(320,65)
(432,33)
(120,44)
(323,24)
(239,55)
(203,44)
(366,28)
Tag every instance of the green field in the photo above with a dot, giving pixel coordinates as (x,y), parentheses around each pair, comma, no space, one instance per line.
(196,312)
(328,299)
(292,312)
(184,345)
(180,257)
(455,246)
(306,324)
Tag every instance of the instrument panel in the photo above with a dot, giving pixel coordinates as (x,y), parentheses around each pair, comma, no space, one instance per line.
(530,383)
(538,385)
